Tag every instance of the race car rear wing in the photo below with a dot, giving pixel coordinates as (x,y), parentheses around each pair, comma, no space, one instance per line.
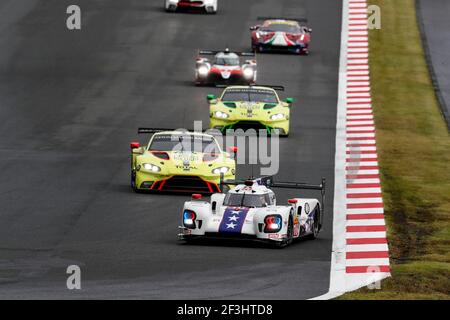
(277,88)
(211,132)
(301,20)
(214,52)
(269,182)
(155,130)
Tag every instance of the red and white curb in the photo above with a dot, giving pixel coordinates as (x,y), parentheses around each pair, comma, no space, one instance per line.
(360,254)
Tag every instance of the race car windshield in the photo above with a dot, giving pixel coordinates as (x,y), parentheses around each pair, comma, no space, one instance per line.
(252,95)
(184,143)
(245,200)
(281,27)
(226,60)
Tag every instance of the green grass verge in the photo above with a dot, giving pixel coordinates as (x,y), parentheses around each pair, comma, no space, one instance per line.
(414,157)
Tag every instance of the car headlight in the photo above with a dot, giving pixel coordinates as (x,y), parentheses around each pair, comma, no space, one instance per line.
(203,70)
(262,33)
(220,170)
(248,72)
(189,218)
(221,115)
(273,223)
(278,116)
(151,167)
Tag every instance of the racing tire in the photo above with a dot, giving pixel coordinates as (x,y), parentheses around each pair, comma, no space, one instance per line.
(305,51)
(210,10)
(133,182)
(290,235)
(316,226)
(170,8)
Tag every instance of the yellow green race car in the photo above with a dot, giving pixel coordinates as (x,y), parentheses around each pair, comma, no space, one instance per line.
(180,161)
(245,107)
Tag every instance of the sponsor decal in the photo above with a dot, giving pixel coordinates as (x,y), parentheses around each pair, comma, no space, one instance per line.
(307,208)
(296,227)
(185,156)
(233,219)
(279,39)
(225,74)
(251,91)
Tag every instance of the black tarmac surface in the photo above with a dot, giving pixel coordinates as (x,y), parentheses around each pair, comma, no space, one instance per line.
(435,26)
(70,103)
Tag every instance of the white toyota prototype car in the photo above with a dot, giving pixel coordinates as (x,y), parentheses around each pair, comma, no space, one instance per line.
(210,6)
(249,211)
(225,68)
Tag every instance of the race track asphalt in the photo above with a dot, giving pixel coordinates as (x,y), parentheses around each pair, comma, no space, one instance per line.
(435,25)
(70,103)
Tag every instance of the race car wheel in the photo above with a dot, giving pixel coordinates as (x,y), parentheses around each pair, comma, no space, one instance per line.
(305,51)
(133,181)
(290,235)
(211,10)
(316,225)
(170,8)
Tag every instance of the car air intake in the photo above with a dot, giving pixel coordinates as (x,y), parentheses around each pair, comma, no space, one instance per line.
(230,104)
(268,106)
(189,184)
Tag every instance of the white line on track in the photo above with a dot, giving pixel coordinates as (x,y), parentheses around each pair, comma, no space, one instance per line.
(360,250)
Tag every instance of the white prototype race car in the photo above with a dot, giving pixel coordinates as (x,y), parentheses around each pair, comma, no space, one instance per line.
(225,68)
(210,6)
(249,211)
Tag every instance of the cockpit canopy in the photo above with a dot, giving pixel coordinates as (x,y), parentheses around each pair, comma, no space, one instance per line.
(250,200)
(184,142)
(226,59)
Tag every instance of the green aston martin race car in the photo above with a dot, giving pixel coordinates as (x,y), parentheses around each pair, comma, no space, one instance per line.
(180,161)
(245,107)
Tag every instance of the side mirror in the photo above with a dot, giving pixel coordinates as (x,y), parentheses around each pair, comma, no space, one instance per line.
(289,100)
(310,30)
(253,28)
(232,149)
(135,145)
(210,97)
